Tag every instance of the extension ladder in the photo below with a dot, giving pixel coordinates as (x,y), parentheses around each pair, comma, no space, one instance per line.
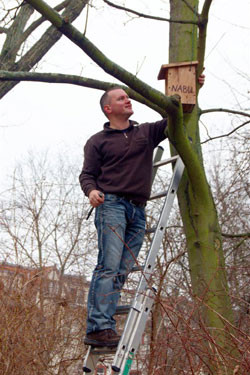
(141,306)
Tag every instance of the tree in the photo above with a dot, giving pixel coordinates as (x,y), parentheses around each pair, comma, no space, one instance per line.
(199,215)
(176,315)
(18,32)
(43,216)
(43,222)
(31,334)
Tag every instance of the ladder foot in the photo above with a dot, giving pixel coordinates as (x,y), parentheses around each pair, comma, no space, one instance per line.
(115,369)
(86,369)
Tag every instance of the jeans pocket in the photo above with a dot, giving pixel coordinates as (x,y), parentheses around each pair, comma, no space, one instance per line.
(111,198)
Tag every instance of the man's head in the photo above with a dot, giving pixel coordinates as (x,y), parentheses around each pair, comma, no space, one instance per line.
(115,102)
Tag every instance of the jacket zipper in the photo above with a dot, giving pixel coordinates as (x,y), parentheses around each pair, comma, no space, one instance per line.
(125,135)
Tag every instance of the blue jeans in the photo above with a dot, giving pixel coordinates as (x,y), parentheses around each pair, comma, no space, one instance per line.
(120,227)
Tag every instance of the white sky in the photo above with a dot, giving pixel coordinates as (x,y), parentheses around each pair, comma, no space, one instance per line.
(39,116)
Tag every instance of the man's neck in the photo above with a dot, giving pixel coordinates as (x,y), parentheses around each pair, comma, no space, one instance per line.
(119,124)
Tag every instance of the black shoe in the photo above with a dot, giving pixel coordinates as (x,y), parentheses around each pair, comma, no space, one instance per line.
(105,337)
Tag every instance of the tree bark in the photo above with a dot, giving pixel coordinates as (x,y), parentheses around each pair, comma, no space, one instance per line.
(202,230)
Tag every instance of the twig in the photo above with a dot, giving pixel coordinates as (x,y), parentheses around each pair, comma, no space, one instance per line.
(204,111)
(139,14)
(226,135)
(230,235)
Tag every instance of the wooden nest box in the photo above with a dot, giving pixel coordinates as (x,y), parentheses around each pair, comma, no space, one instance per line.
(180,78)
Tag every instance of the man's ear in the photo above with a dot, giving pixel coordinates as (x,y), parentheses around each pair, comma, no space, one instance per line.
(107,109)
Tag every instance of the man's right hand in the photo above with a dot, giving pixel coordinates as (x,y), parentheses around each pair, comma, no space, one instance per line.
(96,198)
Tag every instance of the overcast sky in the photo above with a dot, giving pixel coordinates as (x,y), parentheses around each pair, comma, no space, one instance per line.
(38,116)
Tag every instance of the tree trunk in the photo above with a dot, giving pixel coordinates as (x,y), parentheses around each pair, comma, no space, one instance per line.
(202,230)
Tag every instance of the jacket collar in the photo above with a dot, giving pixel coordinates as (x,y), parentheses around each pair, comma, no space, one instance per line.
(107,127)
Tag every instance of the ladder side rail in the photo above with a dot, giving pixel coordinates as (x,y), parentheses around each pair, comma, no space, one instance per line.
(162,223)
(136,337)
(149,266)
(158,163)
(90,362)
(157,159)
(133,331)
(129,327)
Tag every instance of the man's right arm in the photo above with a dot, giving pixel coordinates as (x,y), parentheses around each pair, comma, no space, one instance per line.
(90,172)
(96,198)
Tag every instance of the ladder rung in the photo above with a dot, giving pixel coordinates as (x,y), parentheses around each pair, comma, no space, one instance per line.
(150,230)
(122,309)
(137,268)
(158,195)
(166,161)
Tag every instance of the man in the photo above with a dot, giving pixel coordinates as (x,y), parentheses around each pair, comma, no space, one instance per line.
(116,176)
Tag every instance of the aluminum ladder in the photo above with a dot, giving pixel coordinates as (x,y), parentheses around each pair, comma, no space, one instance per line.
(142,303)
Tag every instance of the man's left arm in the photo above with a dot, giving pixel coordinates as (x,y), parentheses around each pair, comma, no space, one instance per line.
(158,129)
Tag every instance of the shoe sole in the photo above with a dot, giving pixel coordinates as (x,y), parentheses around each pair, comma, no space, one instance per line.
(99,344)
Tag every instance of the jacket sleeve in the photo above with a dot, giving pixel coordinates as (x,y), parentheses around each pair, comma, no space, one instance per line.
(91,167)
(157,131)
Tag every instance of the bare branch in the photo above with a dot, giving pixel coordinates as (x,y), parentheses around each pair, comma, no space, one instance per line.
(230,235)
(74,80)
(12,41)
(143,15)
(8,12)
(100,59)
(3,30)
(204,111)
(42,46)
(201,48)
(40,20)
(226,135)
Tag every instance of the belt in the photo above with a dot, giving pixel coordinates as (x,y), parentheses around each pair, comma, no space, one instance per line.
(133,201)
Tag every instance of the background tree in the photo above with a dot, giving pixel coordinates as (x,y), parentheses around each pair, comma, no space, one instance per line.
(43,224)
(175,318)
(32,333)
(43,216)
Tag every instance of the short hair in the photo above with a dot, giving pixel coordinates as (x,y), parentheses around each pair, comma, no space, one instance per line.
(105,97)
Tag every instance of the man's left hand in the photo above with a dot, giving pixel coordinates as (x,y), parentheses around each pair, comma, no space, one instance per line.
(201,79)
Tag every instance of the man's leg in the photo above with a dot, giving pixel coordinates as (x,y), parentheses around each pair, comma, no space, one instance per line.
(103,294)
(134,236)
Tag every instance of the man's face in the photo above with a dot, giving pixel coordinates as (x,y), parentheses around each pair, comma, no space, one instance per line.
(119,104)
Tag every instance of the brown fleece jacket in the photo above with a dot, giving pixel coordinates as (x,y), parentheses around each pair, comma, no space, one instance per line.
(120,161)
